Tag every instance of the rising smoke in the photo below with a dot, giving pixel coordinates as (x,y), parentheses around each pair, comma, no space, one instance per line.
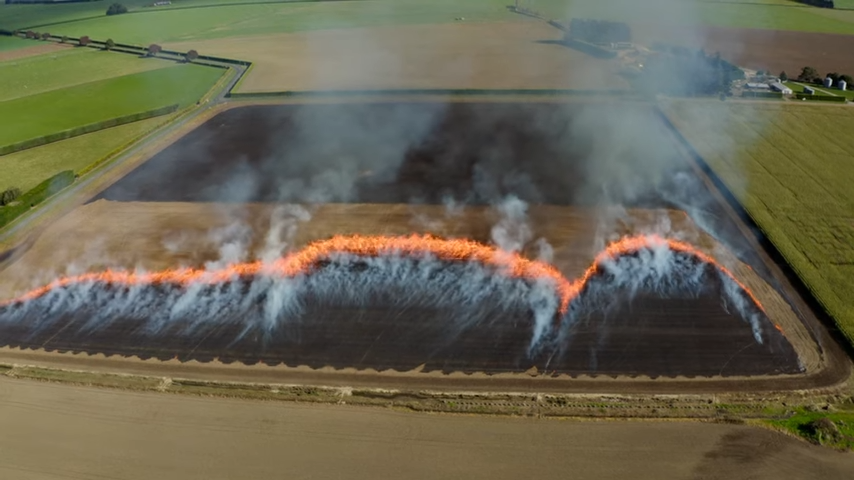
(607,155)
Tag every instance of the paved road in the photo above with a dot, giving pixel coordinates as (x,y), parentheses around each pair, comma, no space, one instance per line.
(53,431)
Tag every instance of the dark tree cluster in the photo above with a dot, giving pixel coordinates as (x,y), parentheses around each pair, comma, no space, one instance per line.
(818,3)
(599,31)
(117,9)
(810,75)
(681,71)
(9,195)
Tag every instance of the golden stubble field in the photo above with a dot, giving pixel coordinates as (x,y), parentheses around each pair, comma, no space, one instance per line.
(161,235)
(509,55)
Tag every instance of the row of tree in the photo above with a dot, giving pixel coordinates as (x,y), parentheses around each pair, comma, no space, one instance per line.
(810,75)
(84,41)
(599,31)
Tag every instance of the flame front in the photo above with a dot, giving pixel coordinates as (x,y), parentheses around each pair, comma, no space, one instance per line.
(304,261)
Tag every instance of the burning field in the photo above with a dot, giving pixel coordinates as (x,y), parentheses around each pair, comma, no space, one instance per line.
(462,237)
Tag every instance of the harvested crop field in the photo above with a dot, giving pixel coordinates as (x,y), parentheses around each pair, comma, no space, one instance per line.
(29,49)
(464,170)
(772,50)
(510,55)
(793,175)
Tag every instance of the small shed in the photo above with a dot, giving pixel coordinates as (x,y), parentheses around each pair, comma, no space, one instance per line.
(843,85)
(779,87)
(828,82)
(809,90)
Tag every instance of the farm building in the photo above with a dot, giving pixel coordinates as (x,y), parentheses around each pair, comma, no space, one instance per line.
(779,87)
(758,86)
(843,85)
(828,82)
(809,90)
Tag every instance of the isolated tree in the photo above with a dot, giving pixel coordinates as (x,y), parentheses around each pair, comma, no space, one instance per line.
(31,34)
(117,9)
(808,74)
(64,39)
(9,195)
(154,49)
(783,76)
(191,55)
(109,44)
(84,40)
(45,36)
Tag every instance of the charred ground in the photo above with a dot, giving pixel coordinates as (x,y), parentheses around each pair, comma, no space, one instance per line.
(433,153)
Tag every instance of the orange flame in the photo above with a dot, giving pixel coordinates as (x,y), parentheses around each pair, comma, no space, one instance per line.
(304,261)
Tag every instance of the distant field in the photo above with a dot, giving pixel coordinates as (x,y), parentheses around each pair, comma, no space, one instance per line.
(790,165)
(39,74)
(179,23)
(57,110)
(28,168)
(508,55)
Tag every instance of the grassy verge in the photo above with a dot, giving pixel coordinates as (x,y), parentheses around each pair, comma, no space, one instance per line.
(831,429)
(63,109)
(43,73)
(790,166)
(27,168)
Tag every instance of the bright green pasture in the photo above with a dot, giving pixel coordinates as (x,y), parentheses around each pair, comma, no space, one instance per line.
(27,168)
(218,19)
(42,73)
(57,110)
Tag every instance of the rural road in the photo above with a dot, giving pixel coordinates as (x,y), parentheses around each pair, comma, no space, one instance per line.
(53,431)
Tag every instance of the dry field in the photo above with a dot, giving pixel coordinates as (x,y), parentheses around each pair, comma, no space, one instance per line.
(510,55)
(52,431)
(160,235)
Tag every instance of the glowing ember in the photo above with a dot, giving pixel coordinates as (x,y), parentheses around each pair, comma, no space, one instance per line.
(305,261)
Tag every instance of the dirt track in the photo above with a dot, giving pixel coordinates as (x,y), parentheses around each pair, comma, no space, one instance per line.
(53,431)
(485,55)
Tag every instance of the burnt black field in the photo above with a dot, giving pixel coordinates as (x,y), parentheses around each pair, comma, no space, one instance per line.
(646,335)
(471,153)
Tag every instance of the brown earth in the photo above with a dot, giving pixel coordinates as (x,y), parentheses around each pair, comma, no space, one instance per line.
(53,431)
(773,50)
(511,55)
(41,49)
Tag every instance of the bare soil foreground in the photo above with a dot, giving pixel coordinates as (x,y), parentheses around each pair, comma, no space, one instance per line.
(772,50)
(58,431)
(508,55)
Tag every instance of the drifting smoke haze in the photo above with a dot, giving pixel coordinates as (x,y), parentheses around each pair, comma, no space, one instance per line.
(608,156)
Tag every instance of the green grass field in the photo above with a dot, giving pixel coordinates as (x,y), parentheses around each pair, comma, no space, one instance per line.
(801,423)
(179,22)
(43,73)
(849,94)
(28,168)
(58,110)
(790,166)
